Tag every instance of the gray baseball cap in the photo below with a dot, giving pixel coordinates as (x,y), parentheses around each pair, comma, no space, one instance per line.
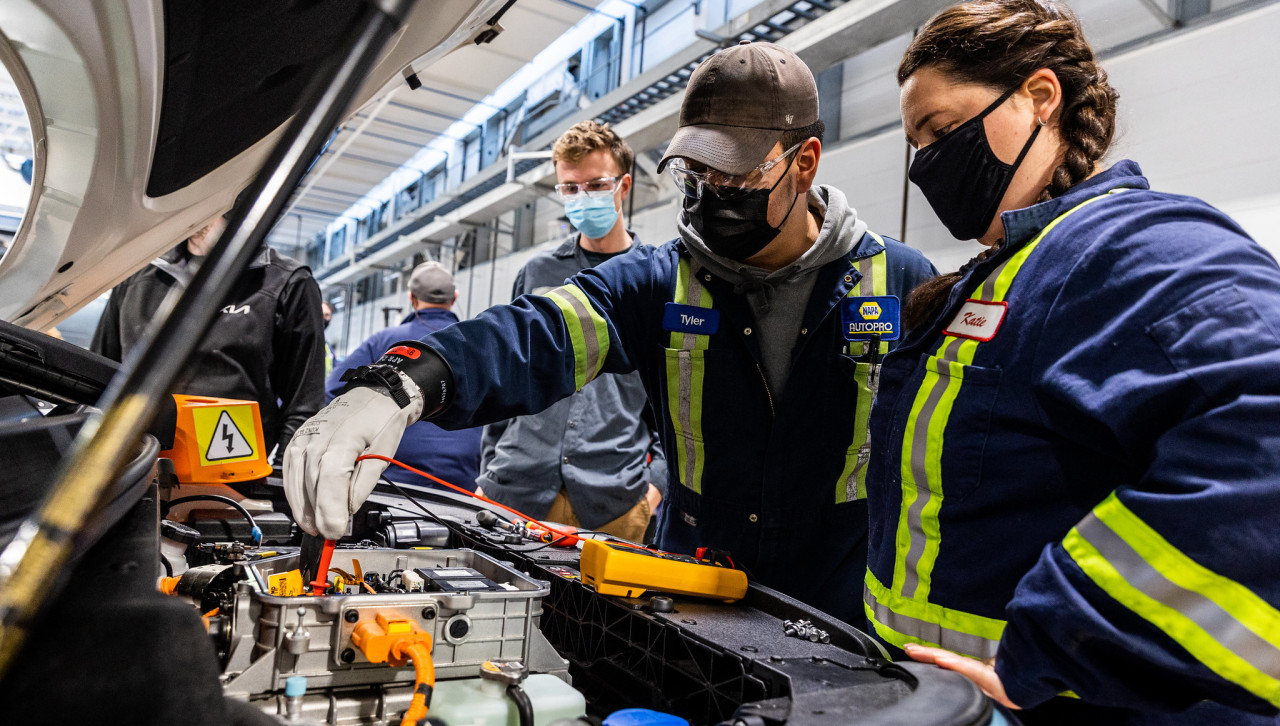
(738,104)
(431,282)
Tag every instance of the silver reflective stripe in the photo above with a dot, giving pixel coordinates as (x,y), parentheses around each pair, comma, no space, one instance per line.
(1202,611)
(694,299)
(987,290)
(920,447)
(590,346)
(919,471)
(687,343)
(866,288)
(963,643)
(686,383)
(864,458)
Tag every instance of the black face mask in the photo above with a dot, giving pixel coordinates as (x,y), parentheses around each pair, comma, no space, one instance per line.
(962,178)
(738,228)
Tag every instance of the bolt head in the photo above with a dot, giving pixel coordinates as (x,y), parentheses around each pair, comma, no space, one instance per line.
(458,629)
(348,655)
(428,613)
(351,616)
(662,604)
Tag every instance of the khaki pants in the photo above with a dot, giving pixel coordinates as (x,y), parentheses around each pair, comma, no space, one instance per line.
(630,526)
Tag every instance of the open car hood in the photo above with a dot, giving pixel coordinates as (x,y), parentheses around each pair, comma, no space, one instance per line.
(149,116)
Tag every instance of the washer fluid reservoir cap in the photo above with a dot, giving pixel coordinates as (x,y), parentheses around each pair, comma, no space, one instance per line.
(643,717)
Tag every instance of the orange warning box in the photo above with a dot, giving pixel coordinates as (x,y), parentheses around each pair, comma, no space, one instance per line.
(217,440)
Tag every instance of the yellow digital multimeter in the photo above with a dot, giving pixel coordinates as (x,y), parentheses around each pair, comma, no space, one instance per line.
(613,568)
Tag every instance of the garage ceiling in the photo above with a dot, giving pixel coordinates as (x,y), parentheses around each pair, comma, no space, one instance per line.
(389,131)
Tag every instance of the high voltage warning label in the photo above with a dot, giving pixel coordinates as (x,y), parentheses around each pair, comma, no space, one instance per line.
(225,434)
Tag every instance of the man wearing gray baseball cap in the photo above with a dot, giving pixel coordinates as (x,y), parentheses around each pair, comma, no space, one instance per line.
(431,283)
(758,334)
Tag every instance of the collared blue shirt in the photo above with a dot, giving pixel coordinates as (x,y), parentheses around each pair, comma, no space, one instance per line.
(451,455)
(597,444)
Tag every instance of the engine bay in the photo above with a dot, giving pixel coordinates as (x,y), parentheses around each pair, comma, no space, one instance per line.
(192,601)
(486,602)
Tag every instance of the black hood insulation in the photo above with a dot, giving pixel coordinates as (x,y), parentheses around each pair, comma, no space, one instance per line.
(234,70)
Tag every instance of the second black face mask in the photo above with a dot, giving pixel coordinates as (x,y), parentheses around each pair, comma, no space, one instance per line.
(962,178)
(738,228)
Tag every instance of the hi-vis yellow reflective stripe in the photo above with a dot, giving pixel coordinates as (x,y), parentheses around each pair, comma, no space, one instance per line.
(685,370)
(852,483)
(918,534)
(899,620)
(1220,622)
(588,332)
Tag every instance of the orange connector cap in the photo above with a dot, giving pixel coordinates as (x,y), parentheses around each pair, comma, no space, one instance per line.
(386,638)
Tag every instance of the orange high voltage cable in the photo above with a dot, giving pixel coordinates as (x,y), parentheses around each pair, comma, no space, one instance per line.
(398,641)
(424,680)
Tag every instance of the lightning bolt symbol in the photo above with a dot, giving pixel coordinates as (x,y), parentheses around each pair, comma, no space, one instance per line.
(227,437)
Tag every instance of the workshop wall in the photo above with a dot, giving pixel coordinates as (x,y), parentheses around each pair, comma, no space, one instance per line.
(1198,114)
(1193,113)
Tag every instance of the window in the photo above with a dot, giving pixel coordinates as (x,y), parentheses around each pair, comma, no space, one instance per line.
(337,243)
(315,252)
(384,215)
(471,154)
(409,198)
(605,65)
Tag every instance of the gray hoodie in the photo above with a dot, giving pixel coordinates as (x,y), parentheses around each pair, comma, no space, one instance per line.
(778,299)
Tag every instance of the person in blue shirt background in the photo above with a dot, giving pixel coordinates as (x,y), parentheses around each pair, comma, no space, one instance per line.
(1074,491)
(593,459)
(450,455)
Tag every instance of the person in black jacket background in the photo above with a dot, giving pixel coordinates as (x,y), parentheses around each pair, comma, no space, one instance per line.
(266,344)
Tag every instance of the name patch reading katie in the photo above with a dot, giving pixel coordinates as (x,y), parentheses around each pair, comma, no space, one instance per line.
(977,320)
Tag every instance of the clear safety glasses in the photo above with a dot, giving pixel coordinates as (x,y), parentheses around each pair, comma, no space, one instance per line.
(601,187)
(725,186)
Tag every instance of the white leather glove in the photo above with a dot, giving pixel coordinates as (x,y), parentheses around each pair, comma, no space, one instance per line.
(322,480)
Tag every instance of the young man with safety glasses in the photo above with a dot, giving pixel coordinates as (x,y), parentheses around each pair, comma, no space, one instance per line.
(757,333)
(593,459)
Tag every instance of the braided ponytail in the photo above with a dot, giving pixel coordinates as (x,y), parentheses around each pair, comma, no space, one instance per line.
(998,44)
(1087,125)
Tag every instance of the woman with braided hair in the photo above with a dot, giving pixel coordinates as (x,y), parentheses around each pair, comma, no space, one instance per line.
(1074,490)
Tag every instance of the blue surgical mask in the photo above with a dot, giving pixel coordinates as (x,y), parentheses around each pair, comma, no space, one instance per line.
(592,216)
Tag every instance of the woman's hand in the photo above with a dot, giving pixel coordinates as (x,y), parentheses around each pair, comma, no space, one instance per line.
(980,672)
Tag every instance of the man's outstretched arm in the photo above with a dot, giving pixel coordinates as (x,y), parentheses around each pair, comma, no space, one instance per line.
(510,360)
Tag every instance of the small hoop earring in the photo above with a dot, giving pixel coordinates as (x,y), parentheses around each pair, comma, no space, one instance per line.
(1042,123)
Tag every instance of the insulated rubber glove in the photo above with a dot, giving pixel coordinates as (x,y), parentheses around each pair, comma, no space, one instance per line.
(322,480)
